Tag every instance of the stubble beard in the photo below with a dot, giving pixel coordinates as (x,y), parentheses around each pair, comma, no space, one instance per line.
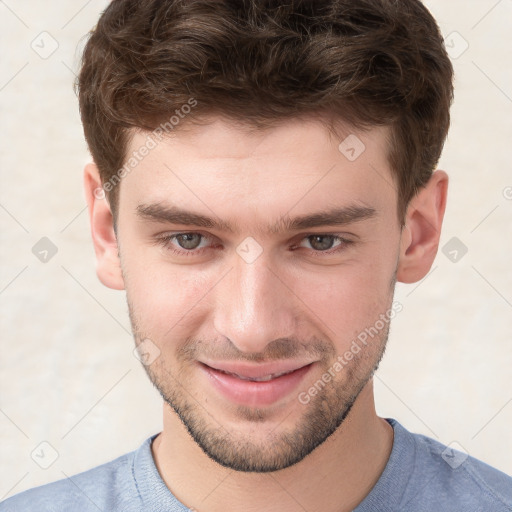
(280,448)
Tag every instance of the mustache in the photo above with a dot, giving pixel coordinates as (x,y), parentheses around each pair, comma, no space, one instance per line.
(282,348)
(224,349)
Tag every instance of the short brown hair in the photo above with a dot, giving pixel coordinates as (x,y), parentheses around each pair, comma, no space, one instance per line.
(258,62)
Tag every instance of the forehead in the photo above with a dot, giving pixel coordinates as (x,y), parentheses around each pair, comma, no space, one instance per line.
(290,168)
(223,137)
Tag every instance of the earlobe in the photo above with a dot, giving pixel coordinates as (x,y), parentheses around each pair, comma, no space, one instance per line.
(422,230)
(108,265)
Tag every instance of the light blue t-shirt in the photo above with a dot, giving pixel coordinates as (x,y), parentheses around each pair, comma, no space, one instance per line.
(421,475)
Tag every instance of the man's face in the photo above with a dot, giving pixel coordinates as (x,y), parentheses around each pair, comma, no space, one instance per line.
(267,296)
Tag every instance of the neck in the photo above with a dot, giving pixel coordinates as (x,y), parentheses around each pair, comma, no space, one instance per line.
(335,477)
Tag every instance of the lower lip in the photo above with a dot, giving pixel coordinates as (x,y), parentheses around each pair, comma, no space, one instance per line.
(252,393)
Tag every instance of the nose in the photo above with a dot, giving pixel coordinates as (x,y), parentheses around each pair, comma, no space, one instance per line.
(254,305)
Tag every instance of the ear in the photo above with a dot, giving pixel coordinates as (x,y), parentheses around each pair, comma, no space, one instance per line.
(420,235)
(108,265)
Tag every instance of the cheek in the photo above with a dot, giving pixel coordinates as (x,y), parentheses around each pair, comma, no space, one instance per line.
(347,301)
(164,298)
(171,301)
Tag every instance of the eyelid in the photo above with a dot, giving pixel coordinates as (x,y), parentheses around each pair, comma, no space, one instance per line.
(346,237)
(341,237)
(167,237)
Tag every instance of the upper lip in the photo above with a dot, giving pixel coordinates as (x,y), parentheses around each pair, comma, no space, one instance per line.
(255,371)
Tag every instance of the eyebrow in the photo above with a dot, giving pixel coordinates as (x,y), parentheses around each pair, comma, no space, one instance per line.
(340,216)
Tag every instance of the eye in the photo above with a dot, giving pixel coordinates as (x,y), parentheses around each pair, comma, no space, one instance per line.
(189,242)
(324,243)
(192,243)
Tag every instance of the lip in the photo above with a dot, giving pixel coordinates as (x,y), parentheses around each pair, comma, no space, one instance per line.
(255,393)
(255,371)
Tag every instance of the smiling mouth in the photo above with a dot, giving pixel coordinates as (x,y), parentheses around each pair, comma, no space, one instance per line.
(255,385)
(265,378)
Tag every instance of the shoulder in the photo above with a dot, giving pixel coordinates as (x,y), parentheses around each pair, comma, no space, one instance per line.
(444,478)
(110,486)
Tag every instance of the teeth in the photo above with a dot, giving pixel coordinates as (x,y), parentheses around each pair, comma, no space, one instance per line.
(258,379)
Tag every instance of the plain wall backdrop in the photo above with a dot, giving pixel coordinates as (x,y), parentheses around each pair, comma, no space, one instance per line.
(69,378)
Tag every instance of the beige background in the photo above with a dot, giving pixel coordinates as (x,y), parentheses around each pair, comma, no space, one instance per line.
(68,374)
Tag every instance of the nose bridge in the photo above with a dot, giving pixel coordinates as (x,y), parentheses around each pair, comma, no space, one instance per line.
(252,306)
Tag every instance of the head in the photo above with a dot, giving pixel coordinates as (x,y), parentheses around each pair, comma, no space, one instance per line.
(262,177)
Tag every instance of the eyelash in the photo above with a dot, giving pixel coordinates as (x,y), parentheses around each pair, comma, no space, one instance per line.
(165,241)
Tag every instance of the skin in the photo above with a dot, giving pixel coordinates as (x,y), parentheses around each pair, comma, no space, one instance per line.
(293,300)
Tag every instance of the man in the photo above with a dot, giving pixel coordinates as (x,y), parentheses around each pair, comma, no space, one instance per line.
(262,177)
